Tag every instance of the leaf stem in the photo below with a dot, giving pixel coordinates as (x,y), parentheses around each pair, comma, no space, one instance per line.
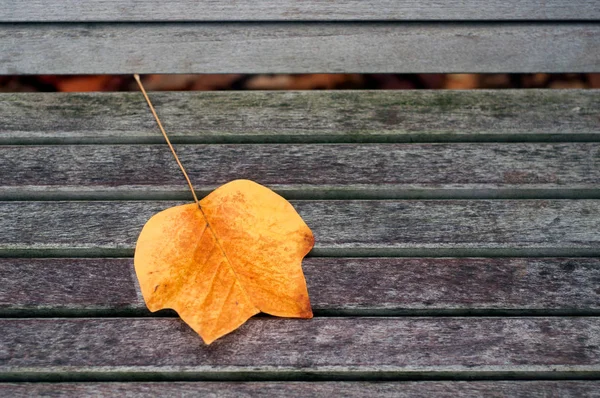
(164,133)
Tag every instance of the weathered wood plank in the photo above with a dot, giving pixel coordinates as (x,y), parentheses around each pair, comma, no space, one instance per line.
(317,116)
(332,346)
(348,47)
(424,389)
(377,169)
(396,285)
(561,226)
(290,10)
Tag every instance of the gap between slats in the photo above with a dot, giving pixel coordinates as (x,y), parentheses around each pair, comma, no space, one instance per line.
(330,252)
(318,313)
(307,376)
(408,138)
(49,195)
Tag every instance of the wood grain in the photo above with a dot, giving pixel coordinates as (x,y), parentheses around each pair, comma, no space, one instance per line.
(375,169)
(332,346)
(317,116)
(426,389)
(395,285)
(344,47)
(550,226)
(289,10)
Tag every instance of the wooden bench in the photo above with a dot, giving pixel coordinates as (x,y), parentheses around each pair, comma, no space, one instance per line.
(457,233)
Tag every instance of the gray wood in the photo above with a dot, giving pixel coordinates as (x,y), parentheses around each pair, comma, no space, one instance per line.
(80,286)
(317,116)
(298,48)
(290,10)
(382,170)
(424,389)
(542,227)
(296,348)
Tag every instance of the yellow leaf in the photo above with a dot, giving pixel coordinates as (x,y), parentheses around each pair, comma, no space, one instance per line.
(217,266)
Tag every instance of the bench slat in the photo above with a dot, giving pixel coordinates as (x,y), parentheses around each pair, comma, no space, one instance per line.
(537,227)
(80,286)
(424,389)
(345,47)
(317,116)
(334,346)
(378,170)
(291,10)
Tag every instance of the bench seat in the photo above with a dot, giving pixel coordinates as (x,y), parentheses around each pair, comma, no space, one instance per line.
(457,238)
(457,233)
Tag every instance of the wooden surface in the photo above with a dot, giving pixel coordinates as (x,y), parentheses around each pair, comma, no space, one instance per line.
(458,285)
(341,47)
(341,227)
(321,346)
(426,389)
(412,286)
(302,117)
(290,10)
(301,170)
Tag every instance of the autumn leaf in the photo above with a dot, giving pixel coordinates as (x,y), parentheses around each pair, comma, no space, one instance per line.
(217,265)
(221,260)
